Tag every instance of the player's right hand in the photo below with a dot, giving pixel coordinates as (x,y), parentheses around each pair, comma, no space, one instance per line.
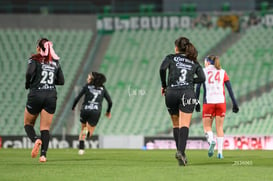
(108,115)
(235,108)
(163,91)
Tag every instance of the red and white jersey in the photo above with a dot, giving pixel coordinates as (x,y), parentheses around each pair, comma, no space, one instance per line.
(214,89)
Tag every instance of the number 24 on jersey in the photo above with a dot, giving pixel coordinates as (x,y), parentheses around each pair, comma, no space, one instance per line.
(214,76)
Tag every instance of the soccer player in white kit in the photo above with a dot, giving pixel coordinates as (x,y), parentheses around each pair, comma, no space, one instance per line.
(214,103)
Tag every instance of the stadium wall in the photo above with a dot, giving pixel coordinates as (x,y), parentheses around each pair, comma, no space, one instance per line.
(123,6)
(209,5)
(238,142)
(48,21)
(120,22)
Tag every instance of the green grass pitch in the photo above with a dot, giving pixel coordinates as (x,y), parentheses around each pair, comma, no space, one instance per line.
(130,165)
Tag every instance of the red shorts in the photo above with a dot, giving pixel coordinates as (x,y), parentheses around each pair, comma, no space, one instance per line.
(212,110)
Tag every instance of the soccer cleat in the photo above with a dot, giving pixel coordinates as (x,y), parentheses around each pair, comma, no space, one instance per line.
(211,149)
(186,160)
(176,155)
(36,148)
(220,156)
(182,159)
(42,159)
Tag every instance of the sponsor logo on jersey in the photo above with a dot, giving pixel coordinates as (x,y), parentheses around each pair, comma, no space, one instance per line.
(181,59)
(48,67)
(95,91)
(92,106)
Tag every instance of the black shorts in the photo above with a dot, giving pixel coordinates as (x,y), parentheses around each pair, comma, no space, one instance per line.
(38,100)
(92,117)
(180,99)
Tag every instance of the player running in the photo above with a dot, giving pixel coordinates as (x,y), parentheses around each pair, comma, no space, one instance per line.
(94,92)
(214,103)
(179,92)
(43,73)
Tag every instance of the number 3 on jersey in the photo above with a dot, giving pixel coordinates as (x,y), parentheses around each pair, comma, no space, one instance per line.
(47,77)
(183,74)
(213,76)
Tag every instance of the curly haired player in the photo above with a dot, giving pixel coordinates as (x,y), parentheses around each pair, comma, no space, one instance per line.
(94,92)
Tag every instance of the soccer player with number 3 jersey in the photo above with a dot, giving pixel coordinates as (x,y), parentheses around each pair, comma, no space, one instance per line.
(43,73)
(214,103)
(179,93)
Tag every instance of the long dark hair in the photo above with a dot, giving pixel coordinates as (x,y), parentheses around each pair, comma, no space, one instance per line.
(98,79)
(186,47)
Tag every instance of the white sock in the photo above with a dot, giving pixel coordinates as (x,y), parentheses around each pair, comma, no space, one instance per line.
(220,141)
(209,136)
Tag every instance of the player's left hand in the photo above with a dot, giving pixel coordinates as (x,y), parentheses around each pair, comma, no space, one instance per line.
(163,91)
(197,107)
(108,115)
(26,86)
(235,108)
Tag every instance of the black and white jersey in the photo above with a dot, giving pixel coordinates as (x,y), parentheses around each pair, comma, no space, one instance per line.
(44,76)
(93,98)
(181,72)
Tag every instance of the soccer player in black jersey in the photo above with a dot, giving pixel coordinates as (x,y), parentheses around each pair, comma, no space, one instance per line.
(179,92)
(43,73)
(94,92)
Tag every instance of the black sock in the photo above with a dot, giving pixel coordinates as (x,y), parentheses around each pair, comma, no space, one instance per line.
(81,145)
(45,141)
(87,135)
(176,135)
(30,132)
(183,137)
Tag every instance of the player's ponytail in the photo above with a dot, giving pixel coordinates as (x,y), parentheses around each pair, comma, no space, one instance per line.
(181,43)
(45,50)
(214,60)
(191,52)
(184,46)
(217,63)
